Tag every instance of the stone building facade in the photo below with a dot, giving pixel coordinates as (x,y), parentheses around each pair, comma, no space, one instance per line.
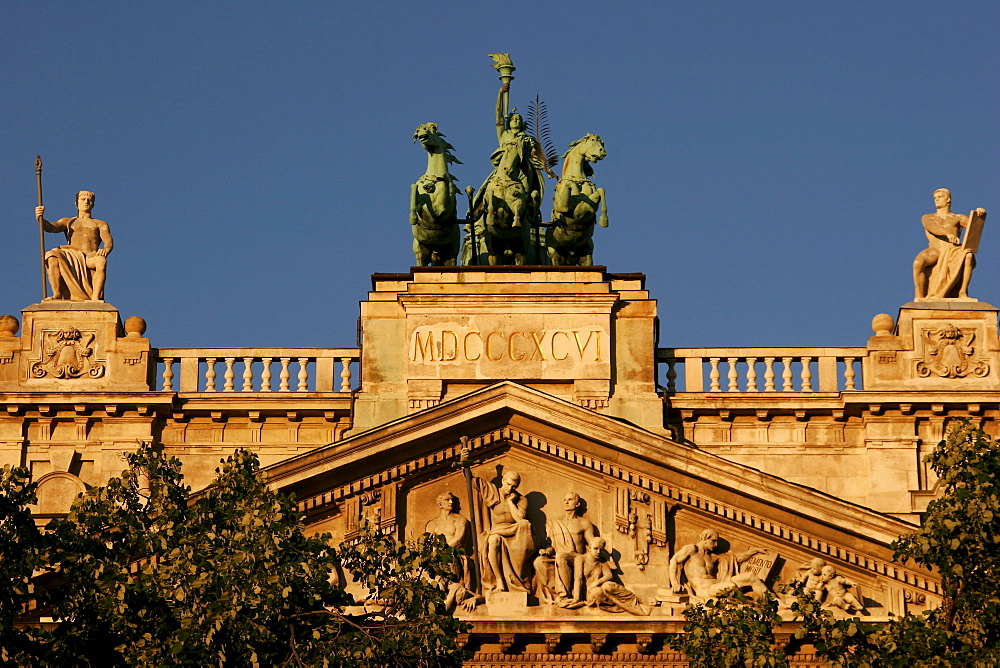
(785,455)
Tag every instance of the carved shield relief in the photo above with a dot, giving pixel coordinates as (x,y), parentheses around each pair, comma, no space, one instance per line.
(950,352)
(67,353)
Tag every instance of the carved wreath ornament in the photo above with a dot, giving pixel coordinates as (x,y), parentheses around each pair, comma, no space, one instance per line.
(67,353)
(948,353)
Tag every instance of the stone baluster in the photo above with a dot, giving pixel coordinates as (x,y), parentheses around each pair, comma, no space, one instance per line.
(303,374)
(248,374)
(229,375)
(733,375)
(671,375)
(168,374)
(849,373)
(751,374)
(265,375)
(284,375)
(714,375)
(786,375)
(769,374)
(807,375)
(210,374)
(345,374)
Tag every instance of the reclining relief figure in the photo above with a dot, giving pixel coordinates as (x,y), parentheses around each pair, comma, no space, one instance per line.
(704,574)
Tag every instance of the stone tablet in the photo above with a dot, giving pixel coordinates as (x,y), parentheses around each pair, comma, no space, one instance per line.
(974,233)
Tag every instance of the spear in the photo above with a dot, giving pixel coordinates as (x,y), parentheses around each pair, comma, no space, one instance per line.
(41,230)
(465,463)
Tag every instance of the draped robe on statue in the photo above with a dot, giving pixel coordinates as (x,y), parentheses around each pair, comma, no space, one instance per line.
(946,276)
(517,546)
(76,278)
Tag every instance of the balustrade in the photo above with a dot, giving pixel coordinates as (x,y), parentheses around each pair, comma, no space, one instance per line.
(833,369)
(195,369)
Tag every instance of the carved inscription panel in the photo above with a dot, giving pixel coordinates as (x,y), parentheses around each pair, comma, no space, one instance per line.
(497,347)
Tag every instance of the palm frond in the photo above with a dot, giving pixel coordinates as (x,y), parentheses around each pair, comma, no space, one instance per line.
(538,127)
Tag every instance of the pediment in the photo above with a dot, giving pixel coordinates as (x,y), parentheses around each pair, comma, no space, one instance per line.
(647,495)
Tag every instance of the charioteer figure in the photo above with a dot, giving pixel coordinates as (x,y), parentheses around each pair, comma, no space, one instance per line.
(507,205)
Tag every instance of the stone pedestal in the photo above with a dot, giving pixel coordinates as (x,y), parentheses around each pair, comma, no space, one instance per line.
(75,347)
(947,345)
(507,603)
(578,333)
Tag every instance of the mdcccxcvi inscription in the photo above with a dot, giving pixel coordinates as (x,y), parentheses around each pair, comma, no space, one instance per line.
(430,345)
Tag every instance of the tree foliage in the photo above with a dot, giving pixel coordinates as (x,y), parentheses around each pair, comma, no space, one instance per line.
(960,535)
(140,573)
(21,555)
(960,538)
(731,630)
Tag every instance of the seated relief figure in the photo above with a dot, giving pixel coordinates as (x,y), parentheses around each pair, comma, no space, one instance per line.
(812,580)
(76,271)
(457,533)
(559,568)
(704,574)
(602,591)
(944,268)
(506,545)
(837,591)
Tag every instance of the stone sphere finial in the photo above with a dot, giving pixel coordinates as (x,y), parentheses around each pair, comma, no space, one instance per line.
(8,325)
(882,324)
(135,326)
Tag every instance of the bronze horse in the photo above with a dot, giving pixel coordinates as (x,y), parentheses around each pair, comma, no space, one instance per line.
(432,202)
(569,240)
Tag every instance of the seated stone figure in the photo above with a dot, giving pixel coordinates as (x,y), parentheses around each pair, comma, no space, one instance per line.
(559,577)
(76,271)
(505,538)
(457,533)
(944,268)
(812,581)
(707,574)
(602,591)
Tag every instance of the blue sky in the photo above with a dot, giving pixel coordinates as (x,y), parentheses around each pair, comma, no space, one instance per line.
(768,162)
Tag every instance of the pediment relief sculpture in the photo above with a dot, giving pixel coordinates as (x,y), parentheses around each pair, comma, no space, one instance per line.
(457,532)
(821,581)
(603,591)
(699,571)
(505,539)
(559,575)
(949,353)
(573,570)
(528,500)
(576,570)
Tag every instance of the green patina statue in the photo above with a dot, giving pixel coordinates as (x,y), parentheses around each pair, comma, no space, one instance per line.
(507,205)
(432,202)
(504,224)
(570,239)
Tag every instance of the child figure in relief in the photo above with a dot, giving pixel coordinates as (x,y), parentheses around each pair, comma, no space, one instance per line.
(838,594)
(813,584)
